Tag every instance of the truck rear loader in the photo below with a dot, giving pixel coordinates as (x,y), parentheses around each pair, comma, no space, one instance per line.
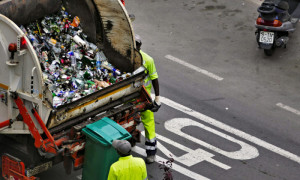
(34,135)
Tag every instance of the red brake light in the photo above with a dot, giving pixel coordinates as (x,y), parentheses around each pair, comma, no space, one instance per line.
(277,23)
(259,21)
(22,43)
(274,23)
(12,47)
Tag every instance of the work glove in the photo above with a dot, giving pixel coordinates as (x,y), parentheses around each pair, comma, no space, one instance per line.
(156,104)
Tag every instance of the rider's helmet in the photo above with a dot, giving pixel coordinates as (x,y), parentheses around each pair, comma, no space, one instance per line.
(283,5)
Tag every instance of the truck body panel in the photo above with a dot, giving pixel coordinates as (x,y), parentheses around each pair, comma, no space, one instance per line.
(16,73)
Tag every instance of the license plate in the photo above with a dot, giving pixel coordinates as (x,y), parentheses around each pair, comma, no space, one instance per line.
(266,37)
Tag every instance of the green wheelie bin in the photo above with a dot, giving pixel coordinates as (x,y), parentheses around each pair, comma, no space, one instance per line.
(99,153)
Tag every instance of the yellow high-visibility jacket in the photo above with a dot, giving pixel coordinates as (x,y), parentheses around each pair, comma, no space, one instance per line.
(128,168)
(148,116)
(148,62)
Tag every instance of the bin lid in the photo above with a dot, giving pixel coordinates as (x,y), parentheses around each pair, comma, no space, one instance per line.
(105,131)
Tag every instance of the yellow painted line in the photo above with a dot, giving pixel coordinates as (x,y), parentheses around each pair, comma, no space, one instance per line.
(102,97)
(3,86)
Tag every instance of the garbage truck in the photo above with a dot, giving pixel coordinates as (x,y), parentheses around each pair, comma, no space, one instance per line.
(35,135)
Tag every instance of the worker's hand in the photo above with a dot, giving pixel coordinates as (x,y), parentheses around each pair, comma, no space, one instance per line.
(156,104)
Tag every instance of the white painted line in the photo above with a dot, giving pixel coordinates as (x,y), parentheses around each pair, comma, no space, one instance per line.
(244,153)
(288,108)
(198,156)
(175,167)
(79,177)
(258,2)
(230,129)
(203,71)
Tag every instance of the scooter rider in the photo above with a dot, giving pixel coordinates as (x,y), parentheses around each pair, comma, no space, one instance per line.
(148,116)
(282,10)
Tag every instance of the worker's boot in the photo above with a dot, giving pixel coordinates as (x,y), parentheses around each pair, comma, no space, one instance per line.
(150,159)
(150,150)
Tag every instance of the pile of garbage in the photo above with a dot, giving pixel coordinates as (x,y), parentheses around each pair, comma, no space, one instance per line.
(72,67)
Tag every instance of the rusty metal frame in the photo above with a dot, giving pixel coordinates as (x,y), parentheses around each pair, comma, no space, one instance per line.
(13,167)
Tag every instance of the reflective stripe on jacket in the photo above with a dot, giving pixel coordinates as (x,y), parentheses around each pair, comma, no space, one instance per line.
(128,168)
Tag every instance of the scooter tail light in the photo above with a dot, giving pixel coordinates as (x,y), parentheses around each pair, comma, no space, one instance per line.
(274,23)
(259,21)
(277,23)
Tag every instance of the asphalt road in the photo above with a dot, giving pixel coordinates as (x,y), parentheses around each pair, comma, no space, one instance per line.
(229,112)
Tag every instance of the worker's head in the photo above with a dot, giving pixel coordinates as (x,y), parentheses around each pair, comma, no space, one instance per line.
(138,42)
(123,147)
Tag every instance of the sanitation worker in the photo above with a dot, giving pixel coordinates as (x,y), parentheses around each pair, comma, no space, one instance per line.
(147,116)
(127,167)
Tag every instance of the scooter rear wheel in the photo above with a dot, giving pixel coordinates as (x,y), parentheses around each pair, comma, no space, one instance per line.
(268,52)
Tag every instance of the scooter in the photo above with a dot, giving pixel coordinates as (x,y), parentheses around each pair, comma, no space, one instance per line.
(274,24)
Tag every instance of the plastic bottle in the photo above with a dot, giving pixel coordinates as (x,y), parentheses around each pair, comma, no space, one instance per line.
(45,56)
(78,55)
(93,47)
(73,62)
(56,50)
(74,85)
(102,56)
(105,73)
(79,41)
(33,40)
(73,46)
(108,66)
(112,80)
(68,38)
(98,61)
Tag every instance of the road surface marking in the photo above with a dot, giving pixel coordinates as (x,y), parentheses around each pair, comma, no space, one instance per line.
(288,108)
(246,151)
(258,2)
(175,166)
(79,177)
(192,157)
(230,129)
(203,71)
